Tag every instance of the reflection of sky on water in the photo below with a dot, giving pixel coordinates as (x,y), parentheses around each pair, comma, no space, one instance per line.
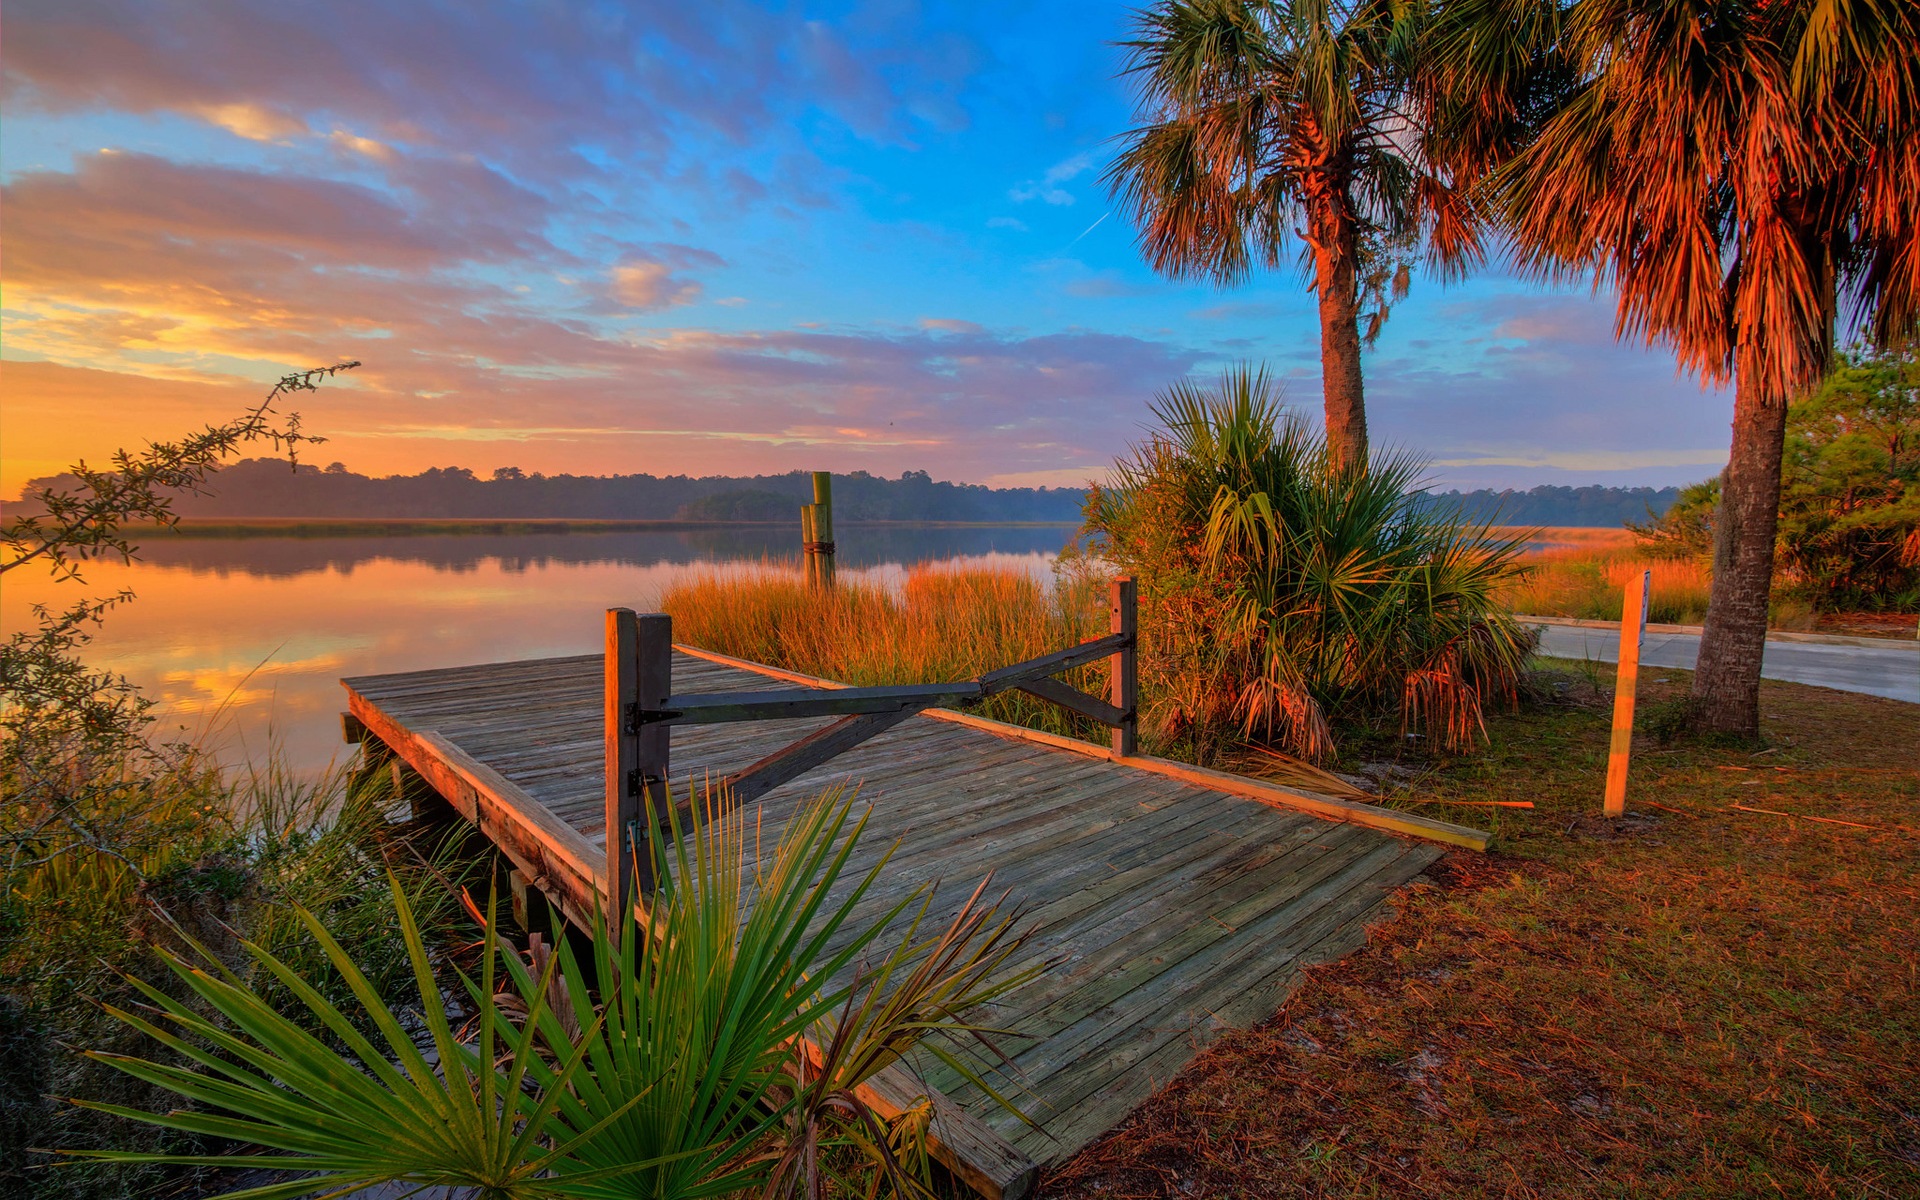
(242,641)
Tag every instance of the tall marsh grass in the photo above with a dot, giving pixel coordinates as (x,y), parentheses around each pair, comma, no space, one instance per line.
(941,623)
(1589,585)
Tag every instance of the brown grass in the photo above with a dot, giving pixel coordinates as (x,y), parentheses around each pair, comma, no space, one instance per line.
(941,624)
(1589,583)
(1693,1001)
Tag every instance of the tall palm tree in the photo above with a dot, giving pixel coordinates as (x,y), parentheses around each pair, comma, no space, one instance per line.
(1266,121)
(1744,175)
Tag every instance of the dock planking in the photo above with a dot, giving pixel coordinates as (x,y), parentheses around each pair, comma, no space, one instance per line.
(1167,903)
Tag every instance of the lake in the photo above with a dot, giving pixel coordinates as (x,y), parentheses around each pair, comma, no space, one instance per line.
(242,640)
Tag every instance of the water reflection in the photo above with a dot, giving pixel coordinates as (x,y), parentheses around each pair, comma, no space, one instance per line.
(242,641)
(859,546)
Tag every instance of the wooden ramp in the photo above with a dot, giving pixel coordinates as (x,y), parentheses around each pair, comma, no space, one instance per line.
(1170,902)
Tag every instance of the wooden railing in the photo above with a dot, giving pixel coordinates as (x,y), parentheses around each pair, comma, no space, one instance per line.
(640,709)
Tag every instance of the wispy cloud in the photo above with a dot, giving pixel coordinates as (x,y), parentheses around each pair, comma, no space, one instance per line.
(1047,187)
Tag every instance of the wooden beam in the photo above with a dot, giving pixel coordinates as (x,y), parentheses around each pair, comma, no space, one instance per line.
(536,841)
(653,770)
(713,708)
(1073,699)
(1051,664)
(1124,684)
(620,692)
(757,779)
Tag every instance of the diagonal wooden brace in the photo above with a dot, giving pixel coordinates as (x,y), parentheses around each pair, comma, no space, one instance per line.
(756,780)
(1075,700)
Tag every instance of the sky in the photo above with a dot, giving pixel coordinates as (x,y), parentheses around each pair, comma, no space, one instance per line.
(713,238)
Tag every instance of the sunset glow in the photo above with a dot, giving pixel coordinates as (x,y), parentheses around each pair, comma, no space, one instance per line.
(704,240)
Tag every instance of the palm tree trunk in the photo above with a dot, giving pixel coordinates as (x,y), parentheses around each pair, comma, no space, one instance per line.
(1336,277)
(1726,680)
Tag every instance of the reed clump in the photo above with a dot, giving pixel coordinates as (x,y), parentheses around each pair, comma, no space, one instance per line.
(1588,584)
(940,623)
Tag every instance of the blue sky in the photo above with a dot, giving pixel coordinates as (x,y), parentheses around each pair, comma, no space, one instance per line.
(690,238)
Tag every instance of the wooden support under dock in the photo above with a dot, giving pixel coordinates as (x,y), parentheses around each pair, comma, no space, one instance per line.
(1170,902)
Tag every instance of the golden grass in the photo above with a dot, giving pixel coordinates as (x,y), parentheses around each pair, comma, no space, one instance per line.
(1564,536)
(1698,1001)
(940,624)
(1590,583)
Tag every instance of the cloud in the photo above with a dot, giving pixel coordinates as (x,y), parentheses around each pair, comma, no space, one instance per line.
(254,122)
(651,286)
(950,325)
(1596,460)
(1057,477)
(1108,285)
(545,92)
(1013,223)
(1526,379)
(1047,187)
(1234,310)
(366,147)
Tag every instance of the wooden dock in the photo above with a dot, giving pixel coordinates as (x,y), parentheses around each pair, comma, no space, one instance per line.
(1169,902)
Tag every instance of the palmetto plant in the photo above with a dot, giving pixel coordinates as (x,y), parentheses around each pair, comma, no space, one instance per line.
(1266,121)
(671,1064)
(1285,590)
(1744,176)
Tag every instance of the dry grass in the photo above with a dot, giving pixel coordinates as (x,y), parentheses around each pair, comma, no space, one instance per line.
(1559,537)
(940,624)
(1588,583)
(1695,1001)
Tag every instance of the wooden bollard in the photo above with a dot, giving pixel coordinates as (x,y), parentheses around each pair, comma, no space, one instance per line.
(1633,632)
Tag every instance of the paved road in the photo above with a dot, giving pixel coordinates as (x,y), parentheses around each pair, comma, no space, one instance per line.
(1893,670)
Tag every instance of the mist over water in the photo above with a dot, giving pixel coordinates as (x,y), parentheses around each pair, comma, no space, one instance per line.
(242,641)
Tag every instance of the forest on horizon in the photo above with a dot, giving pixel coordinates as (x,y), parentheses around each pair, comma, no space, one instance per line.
(266,487)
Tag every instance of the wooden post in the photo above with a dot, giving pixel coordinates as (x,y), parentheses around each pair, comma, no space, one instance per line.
(808,559)
(1633,633)
(823,525)
(1124,690)
(621,695)
(638,677)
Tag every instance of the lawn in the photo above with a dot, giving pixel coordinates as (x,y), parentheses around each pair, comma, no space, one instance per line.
(1693,1001)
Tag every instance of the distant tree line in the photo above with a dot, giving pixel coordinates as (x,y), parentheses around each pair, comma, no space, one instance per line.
(265,487)
(1594,507)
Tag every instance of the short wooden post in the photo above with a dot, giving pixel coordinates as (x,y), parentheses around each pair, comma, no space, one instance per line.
(638,677)
(1124,688)
(1633,634)
(809,561)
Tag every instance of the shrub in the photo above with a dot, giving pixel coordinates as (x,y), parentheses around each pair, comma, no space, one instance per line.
(1283,593)
(668,1064)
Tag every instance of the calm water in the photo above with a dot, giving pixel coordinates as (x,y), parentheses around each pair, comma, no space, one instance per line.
(243,641)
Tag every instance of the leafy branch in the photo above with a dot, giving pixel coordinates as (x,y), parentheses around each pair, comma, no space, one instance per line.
(88,519)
